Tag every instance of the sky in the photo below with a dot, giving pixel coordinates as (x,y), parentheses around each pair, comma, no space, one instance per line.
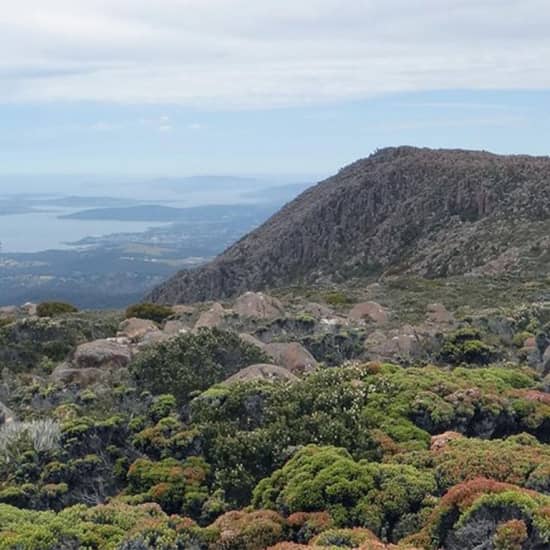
(182,87)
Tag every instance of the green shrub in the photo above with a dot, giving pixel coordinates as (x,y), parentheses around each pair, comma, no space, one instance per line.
(105,526)
(15,496)
(248,429)
(56,351)
(518,460)
(153,312)
(487,510)
(372,466)
(178,487)
(343,538)
(361,493)
(511,535)
(53,309)
(37,435)
(192,362)
(465,346)
(162,406)
(167,438)
(244,530)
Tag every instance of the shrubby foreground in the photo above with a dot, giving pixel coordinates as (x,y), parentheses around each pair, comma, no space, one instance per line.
(163,447)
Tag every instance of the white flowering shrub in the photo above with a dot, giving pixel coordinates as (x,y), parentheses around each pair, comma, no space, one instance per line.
(39,435)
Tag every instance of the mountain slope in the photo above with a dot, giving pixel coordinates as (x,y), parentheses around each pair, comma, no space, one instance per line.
(428,212)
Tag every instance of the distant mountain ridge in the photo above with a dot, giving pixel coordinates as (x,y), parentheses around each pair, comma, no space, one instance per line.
(401,210)
(159,213)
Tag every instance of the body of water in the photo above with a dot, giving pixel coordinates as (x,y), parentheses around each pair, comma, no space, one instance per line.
(43,230)
(37,231)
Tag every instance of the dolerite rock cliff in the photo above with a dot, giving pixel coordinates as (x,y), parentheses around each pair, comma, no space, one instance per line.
(402,210)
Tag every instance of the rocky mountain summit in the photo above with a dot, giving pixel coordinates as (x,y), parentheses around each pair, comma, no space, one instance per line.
(402,210)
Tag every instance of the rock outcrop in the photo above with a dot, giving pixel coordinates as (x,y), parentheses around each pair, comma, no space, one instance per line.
(29,308)
(249,339)
(102,353)
(211,318)
(258,305)
(264,372)
(319,311)
(404,343)
(369,311)
(66,375)
(440,441)
(175,327)
(8,312)
(135,329)
(402,210)
(292,356)
(439,314)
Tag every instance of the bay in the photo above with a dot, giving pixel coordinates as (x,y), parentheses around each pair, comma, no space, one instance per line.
(38,231)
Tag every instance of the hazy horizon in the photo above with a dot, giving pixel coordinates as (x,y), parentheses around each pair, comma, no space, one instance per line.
(153,188)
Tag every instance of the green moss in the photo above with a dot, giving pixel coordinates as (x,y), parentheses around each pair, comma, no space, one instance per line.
(247,428)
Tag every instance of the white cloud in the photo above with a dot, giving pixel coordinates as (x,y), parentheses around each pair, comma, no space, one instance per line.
(248,53)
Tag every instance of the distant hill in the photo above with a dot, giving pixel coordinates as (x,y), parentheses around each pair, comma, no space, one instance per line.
(402,210)
(73,201)
(158,213)
(8,208)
